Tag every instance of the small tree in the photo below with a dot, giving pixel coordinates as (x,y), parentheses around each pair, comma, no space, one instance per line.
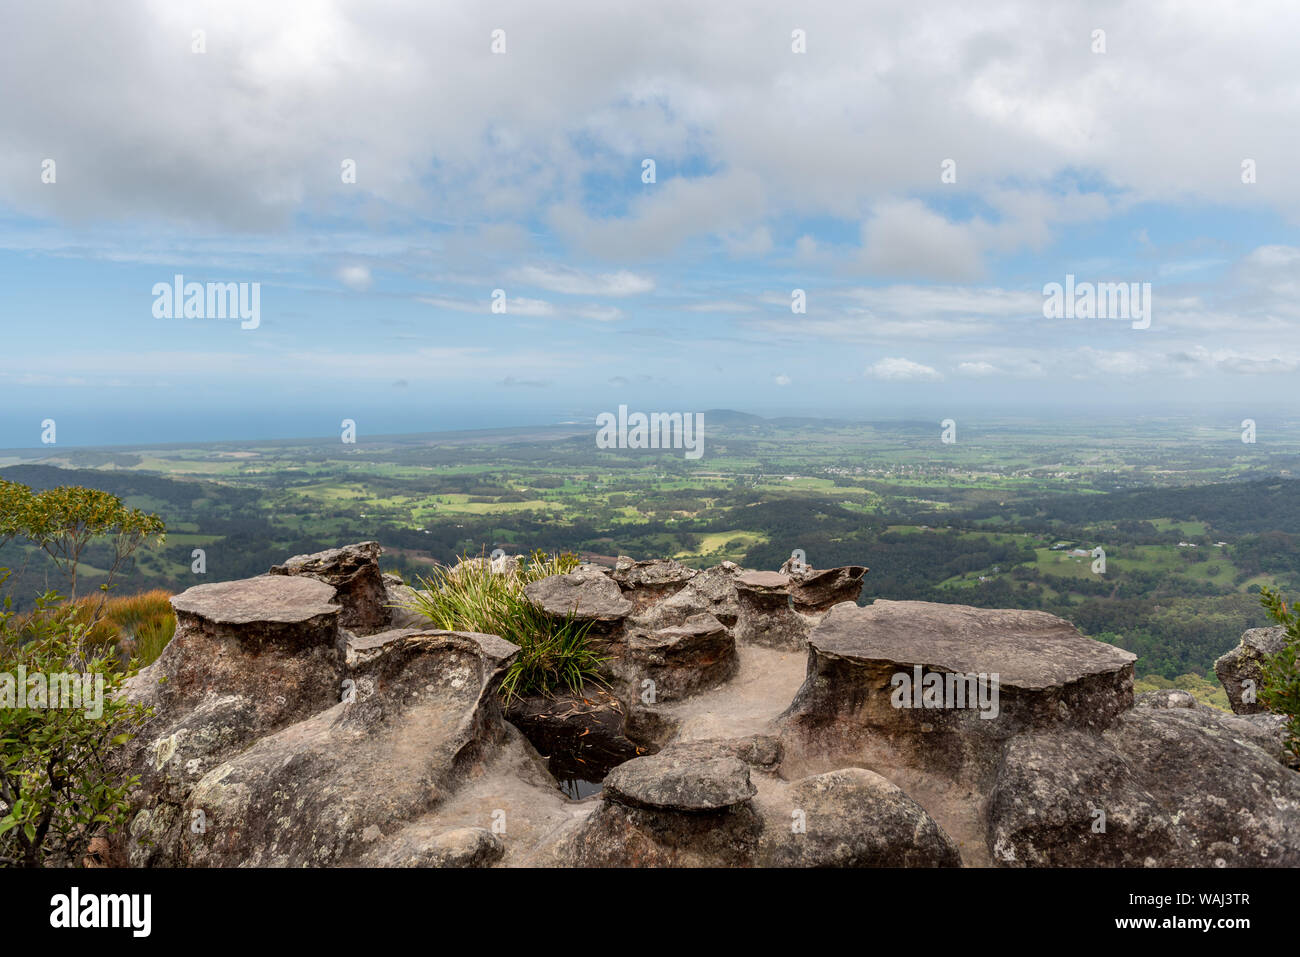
(64,520)
(1280,688)
(57,788)
(15,506)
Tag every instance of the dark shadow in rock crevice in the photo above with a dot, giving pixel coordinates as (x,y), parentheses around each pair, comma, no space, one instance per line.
(582,736)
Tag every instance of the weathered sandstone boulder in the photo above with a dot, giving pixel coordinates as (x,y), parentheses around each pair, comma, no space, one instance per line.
(1164,787)
(1166,698)
(1231,800)
(1068,799)
(681,780)
(767,617)
(587,595)
(780,609)
(711,591)
(423,845)
(1265,730)
(855,818)
(248,658)
(646,582)
(1239,670)
(941,686)
(819,591)
(681,659)
(423,715)
(353,570)
(687,809)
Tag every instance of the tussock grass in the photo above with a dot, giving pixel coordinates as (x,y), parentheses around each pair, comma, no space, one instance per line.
(479,595)
(140,626)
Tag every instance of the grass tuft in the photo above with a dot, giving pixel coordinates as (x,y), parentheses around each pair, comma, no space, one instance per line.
(486,597)
(139,625)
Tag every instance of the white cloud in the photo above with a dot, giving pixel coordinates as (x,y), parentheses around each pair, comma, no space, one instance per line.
(517,306)
(521,306)
(600,313)
(901,370)
(1089,361)
(676,211)
(355,277)
(719,306)
(572,282)
(782,380)
(695,82)
(747,244)
(907,239)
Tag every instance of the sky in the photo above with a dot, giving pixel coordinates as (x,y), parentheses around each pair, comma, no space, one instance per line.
(921,172)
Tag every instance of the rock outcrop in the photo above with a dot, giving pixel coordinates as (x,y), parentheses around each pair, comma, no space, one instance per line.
(586,595)
(353,571)
(680,659)
(423,715)
(281,738)
(674,809)
(781,609)
(752,719)
(248,658)
(939,687)
(856,818)
(712,591)
(648,582)
(1239,669)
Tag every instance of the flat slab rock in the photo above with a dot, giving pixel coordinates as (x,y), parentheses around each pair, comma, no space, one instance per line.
(584,594)
(1033,650)
(763,583)
(685,780)
(268,598)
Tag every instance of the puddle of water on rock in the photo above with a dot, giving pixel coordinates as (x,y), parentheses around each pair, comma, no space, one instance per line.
(577,788)
(578,778)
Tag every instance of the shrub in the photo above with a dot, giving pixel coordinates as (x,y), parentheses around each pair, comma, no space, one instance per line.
(1280,688)
(128,626)
(57,788)
(473,596)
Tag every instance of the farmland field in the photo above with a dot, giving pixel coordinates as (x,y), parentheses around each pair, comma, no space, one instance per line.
(1191,527)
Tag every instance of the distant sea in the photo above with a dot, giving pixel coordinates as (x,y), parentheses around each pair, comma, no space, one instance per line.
(428,409)
(96,427)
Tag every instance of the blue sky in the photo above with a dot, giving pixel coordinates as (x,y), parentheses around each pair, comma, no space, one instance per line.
(522,171)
